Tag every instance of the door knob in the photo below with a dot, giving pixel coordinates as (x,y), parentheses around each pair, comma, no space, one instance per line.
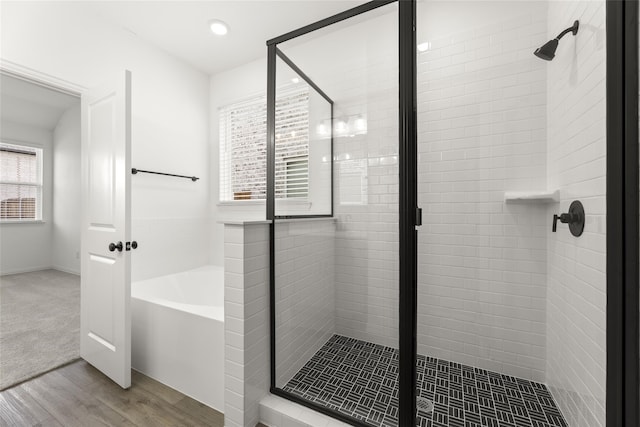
(113,247)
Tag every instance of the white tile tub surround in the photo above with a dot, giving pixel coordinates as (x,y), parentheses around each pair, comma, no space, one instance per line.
(246,306)
(576,307)
(307,250)
(305,292)
(481,132)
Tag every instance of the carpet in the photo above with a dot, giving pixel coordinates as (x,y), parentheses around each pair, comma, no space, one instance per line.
(39,323)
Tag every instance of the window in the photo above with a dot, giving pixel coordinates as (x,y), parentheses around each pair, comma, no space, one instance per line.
(296,180)
(243,147)
(20,183)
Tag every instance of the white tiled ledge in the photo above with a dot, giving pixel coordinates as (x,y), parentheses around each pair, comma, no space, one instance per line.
(23,221)
(244,222)
(279,221)
(532,196)
(276,411)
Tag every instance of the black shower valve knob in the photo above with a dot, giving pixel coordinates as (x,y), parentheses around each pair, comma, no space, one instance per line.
(565,218)
(575,218)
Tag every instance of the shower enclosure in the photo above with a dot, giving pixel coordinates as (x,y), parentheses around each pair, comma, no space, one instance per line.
(418,156)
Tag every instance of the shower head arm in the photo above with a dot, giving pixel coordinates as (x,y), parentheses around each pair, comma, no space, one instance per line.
(573,29)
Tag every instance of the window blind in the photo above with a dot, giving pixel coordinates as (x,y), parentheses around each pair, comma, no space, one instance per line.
(20,182)
(243,147)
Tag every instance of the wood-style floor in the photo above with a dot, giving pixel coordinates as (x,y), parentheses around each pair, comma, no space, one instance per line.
(79,395)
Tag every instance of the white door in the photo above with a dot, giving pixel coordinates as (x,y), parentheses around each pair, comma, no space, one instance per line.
(106,220)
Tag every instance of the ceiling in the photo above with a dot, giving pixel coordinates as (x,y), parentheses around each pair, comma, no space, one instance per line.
(31,104)
(181,27)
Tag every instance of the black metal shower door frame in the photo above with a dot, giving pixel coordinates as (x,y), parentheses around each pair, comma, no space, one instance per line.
(623,305)
(407,159)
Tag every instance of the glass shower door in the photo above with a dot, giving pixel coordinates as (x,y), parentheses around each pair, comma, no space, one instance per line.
(335,234)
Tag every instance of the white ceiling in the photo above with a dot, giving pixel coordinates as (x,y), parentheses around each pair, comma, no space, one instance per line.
(181,27)
(31,104)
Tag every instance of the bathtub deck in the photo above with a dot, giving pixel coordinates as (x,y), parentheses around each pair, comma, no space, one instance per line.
(78,395)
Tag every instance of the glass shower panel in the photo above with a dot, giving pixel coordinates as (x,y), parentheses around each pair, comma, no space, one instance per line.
(336,285)
(510,313)
(303,145)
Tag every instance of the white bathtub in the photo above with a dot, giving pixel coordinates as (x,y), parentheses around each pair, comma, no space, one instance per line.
(177,332)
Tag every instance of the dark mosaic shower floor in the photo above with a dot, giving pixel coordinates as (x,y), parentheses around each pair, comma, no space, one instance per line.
(359,379)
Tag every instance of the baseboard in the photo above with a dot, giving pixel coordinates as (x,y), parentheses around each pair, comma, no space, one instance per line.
(25,270)
(33,269)
(66,270)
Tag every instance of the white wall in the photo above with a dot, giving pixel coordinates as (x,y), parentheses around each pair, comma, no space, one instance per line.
(481,132)
(576,306)
(170,121)
(65,239)
(27,246)
(227,88)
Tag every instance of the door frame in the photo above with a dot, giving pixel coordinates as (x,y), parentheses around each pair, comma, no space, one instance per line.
(623,355)
(18,71)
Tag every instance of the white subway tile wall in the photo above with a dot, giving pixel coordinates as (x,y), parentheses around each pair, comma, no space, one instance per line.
(366,189)
(366,185)
(481,132)
(576,297)
(246,307)
(305,292)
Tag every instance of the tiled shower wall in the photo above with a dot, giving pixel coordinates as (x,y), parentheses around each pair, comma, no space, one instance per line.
(366,186)
(305,292)
(367,236)
(482,124)
(481,132)
(576,307)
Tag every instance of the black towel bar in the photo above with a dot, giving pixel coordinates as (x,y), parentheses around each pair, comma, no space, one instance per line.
(192,178)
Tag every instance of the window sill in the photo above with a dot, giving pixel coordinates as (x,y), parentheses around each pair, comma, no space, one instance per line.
(259,202)
(23,221)
(248,202)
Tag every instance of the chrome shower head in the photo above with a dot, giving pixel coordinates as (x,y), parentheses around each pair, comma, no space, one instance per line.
(548,50)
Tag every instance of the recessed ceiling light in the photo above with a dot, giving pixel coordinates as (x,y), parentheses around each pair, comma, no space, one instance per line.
(423,47)
(218,27)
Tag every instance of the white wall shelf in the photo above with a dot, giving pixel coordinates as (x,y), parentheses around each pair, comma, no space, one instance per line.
(532,196)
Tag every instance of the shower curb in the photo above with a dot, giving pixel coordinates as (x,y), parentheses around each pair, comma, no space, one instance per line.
(278,412)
